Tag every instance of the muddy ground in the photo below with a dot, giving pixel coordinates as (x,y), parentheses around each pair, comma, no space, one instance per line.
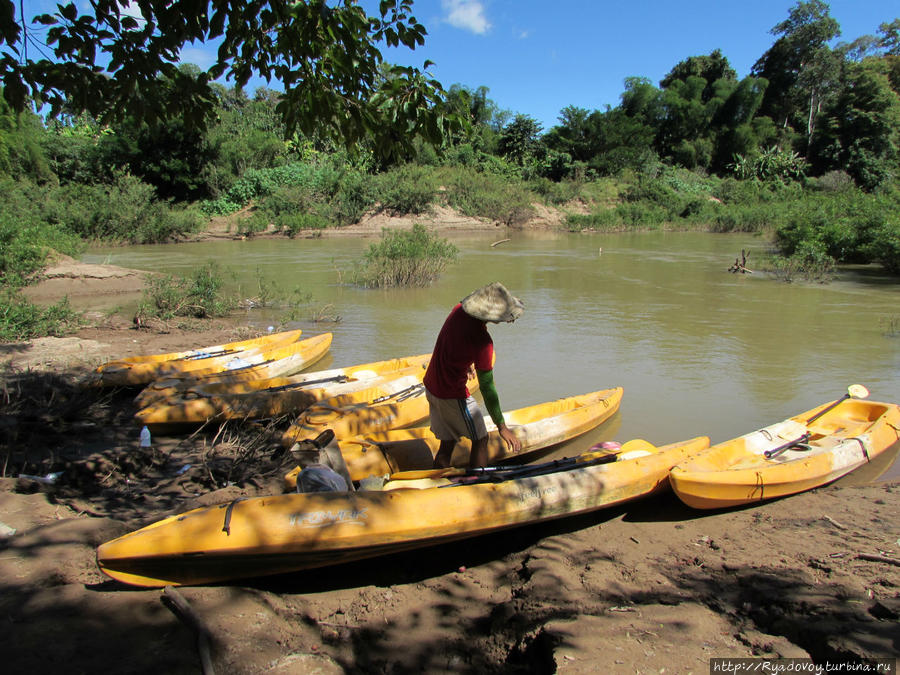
(647,587)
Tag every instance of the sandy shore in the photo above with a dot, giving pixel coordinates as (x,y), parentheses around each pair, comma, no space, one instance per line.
(647,587)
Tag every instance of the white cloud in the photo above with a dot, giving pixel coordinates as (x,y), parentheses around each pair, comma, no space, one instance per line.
(466,14)
(133,10)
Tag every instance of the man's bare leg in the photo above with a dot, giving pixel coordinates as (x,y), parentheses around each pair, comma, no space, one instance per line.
(444,454)
(479,455)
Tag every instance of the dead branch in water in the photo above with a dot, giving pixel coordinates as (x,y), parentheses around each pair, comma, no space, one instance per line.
(499,242)
(740,264)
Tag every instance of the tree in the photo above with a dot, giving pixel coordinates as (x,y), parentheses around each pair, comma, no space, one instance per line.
(799,67)
(21,151)
(623,142)
(121,58)
(711,68)
(170,156)
(890,37)
(519,139)
(861,133)
(478,111)
(575,134)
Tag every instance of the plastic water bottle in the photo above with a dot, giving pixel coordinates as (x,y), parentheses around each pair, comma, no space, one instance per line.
(145,437)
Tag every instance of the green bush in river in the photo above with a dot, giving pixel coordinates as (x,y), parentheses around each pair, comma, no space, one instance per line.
(413,257)
(809,261)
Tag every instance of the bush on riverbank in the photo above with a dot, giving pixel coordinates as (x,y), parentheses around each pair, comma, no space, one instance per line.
(23,320)
(813,227)
(200,296)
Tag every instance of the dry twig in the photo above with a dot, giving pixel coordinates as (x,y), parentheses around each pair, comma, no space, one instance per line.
(180,607)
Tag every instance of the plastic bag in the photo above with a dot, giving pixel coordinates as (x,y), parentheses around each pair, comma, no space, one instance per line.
(320,478)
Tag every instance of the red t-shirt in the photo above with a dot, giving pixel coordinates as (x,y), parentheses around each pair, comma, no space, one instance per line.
(463,340)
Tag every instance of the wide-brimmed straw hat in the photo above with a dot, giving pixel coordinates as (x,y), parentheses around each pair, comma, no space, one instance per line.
(493,303)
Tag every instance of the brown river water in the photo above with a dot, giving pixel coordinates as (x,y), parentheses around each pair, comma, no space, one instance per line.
(699,351)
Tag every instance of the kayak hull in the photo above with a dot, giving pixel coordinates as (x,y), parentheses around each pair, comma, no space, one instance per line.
(281,362)
(283,395)
(537,427)
(283,533)
(136,370)
(738,472)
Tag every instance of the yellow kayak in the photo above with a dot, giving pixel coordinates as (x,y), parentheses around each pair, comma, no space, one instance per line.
(285,533)
(282,396)
(801,453)
(282,361)
(537,427)
(391,405)
(134,370)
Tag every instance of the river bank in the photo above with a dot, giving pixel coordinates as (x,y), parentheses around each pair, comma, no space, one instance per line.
(645,587)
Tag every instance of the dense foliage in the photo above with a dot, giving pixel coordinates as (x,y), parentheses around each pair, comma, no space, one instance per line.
(119,60)
(805,149)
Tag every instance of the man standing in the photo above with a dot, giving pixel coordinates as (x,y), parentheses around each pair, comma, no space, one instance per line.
(463,344)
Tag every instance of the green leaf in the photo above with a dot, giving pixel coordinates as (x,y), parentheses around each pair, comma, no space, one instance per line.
(68,12)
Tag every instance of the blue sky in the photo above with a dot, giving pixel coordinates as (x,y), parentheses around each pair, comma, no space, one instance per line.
(538,56)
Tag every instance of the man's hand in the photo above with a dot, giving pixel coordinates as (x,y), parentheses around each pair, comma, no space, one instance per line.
(512,442)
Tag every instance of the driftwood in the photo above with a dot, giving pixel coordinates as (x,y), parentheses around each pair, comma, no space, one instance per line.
(499,242)
(878,558)
(834,522)
(180,607)
(740,264)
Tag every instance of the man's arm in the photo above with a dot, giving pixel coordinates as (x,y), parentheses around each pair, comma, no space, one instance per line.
(492,403)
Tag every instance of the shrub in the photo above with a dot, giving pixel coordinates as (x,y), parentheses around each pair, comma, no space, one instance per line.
(126,210)
(885,246)
(486,196)
(556,192)
(810,261)
(603,220)
(318,179)
(293,223)
(23,320)
(642,214)
(413,257)
(27,236)
(200,296)
(409,189)
(833,181)
(256,222)
(355,195)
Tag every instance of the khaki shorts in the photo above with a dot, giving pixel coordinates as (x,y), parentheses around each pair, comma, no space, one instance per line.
(453,418)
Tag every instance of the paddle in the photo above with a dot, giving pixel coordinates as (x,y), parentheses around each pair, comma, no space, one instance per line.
(630,450)
(853,391)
